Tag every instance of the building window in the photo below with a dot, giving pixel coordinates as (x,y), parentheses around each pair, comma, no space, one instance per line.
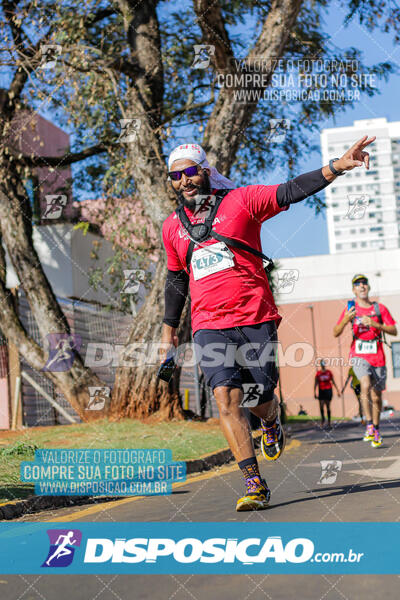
(363,244)
(338,246)
(354,245)
(352,231)
(336,218)
(396,358)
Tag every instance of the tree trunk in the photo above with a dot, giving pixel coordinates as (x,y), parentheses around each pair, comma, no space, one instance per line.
(137,392)
(16,231)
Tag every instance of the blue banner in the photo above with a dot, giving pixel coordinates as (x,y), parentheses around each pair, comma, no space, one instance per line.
(103,472)
(222,548)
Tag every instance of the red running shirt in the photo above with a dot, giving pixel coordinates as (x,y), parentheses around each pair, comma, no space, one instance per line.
(324,379)
(363,332)
(239,295)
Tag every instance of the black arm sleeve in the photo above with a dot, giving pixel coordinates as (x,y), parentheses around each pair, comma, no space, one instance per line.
(175,292)
(300,188)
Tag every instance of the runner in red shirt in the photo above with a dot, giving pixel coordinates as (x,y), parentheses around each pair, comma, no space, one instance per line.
(369,319)
(213,244)
(323,381)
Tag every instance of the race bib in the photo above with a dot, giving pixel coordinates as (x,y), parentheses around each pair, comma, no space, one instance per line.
(210,260)
(363,347)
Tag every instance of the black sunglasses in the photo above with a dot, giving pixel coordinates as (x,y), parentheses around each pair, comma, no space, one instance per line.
(189,172)
(360,281)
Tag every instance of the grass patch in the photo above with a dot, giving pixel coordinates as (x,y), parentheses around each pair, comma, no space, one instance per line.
(186,439)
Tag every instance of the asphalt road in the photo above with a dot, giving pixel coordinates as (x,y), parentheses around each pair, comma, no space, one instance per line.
(354,483)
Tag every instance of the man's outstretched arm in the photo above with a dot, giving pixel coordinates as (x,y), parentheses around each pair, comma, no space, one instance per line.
(306,185)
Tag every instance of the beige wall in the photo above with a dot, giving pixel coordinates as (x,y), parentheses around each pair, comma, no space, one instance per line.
(297,381)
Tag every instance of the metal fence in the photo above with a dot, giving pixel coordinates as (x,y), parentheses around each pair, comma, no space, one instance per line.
(93,324)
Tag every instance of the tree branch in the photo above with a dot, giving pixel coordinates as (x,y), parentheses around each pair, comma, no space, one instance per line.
(211,22)
(233,117)
(66,159)
(99,16)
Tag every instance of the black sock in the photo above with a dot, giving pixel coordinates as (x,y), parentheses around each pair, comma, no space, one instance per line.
(369,422)
(249,467)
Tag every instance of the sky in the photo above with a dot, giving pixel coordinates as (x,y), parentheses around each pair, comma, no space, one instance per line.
(298,232)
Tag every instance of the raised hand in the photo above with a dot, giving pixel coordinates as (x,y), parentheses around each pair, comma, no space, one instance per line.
(355,156)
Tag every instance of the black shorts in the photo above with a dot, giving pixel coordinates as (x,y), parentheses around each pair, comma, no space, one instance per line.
(239,355)
(325,395)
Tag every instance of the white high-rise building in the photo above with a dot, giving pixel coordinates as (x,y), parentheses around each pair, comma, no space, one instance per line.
(363,207)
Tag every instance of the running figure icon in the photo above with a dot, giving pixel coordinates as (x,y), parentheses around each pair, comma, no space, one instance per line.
(62,550)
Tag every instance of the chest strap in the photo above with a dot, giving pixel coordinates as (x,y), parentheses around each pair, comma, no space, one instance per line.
(203,231)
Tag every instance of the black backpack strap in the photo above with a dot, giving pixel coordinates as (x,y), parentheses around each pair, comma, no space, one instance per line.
(378,314)
(189,254)
(208,232)
(243,246)
(187,225)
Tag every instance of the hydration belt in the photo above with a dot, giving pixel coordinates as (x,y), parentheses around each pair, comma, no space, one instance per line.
(203,231)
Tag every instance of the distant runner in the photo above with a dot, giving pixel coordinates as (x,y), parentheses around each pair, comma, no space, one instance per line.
(369,320)
(324,381)
(213,243)
(356,387)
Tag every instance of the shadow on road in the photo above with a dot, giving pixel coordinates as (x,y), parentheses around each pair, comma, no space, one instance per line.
(341,490)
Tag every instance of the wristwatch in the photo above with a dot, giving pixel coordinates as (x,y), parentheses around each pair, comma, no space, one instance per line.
(332,168)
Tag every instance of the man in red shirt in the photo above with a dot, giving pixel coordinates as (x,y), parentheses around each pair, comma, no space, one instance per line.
(369,319)
(323,381)
(213,243)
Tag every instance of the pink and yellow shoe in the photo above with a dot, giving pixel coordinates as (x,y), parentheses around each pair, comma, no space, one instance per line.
(377,441)
(369,433)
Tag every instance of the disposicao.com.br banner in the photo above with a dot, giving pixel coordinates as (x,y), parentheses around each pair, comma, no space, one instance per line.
(220,548)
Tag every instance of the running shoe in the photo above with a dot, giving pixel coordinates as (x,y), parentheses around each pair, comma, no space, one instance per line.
(273,440)
(377,441)
(257,495)
(369,433)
